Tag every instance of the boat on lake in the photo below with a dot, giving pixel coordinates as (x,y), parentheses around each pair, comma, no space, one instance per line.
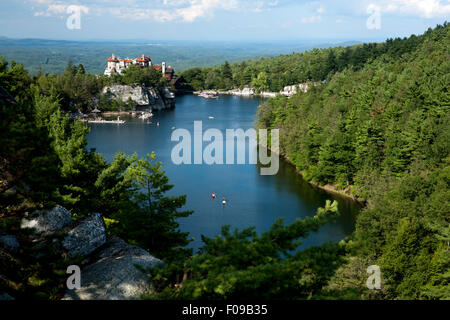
(146,115)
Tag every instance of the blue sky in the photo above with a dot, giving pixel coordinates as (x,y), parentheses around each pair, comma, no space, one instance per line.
(221,19)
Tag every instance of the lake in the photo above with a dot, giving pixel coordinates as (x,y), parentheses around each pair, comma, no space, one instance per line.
(252,199)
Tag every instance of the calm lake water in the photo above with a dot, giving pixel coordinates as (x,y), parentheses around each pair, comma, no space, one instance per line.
(252,199)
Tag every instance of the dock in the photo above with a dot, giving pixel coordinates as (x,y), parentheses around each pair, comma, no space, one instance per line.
(118,121)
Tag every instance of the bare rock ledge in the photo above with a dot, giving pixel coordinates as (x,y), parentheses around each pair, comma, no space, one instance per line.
(114,275)
(85,238)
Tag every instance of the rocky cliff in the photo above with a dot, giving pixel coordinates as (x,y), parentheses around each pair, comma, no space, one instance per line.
(111,270)
(143,96)
(287,91)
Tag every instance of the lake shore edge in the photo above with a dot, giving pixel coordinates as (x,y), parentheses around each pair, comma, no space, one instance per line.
(328,188)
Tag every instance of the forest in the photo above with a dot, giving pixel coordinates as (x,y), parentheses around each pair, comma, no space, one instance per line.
(44,162)
(272,74)
(377,128)
(78,90)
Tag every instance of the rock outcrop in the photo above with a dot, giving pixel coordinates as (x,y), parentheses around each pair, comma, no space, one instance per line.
(268,94)
(143,96)
(47,222)
(116,273)
(246,91)
(289,91)
(85,238)
(112,269)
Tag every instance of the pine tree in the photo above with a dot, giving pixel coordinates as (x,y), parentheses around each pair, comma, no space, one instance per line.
(150,219)
(80,69)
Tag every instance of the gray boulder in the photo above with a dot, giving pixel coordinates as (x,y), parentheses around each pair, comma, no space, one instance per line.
(114,275)
(85,238)
(9,243)
(47,221)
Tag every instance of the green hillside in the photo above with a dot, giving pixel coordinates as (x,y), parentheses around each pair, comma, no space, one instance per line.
(375,128)
(272,74)
(378,128)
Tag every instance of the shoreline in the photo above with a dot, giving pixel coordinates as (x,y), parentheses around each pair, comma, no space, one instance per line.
(239,93)
(116,113)
(327,188)
(247,91)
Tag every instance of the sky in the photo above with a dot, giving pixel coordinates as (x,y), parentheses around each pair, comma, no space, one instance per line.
(219,20)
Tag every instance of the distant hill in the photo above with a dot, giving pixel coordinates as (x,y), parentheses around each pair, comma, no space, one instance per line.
(52,55)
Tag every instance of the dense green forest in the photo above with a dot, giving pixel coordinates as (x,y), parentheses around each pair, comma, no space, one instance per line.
(272,74)
(377,128)
(78,90)
(380,130)
(44,162)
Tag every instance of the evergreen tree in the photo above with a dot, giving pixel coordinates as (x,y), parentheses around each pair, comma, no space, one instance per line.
(150,218)
(261,82)
(227,75)
(243,265)
(80,69)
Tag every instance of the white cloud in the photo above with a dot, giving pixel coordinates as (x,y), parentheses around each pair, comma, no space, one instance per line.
(422,8)
(316,17)
(260,5)
(311,19)
(321,9)
(157,10)
(194,10)
(53,9)
(42,1)
(57,10)
(203,8)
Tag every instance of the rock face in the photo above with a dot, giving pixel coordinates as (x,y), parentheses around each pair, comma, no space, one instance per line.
(246,91)
(114,275)
(9,243)
(143,96)
(289,91)
(85,238)
(111,272)
(47,221)
(268,94)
